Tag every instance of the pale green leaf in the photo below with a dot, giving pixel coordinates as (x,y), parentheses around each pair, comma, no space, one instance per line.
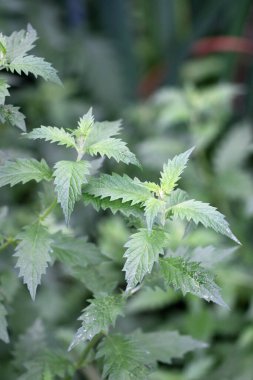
(24,170)
(123,359)
(33,255)
(203,213)
(19,43)
(117,205)
(163,346)
(12,115)
(116,187)
(69,177)
(190,277)
(4,336)
(85,124)
(98,317)
(34,65)
(115,148)
(52,134)
(154,207)
(3,90)
(172,171)
(103,130)
(143,250)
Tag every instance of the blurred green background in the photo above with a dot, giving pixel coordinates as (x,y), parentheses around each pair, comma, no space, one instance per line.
(179,73)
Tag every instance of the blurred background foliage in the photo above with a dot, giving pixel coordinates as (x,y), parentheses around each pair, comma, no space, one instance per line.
(180,73)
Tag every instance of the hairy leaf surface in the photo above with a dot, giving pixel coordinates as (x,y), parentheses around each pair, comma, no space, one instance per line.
(52,134)
(69,177)
(24,170)
(33,255)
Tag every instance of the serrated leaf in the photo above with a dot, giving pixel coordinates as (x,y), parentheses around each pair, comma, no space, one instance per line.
(3,90)
(85,124)
(52,134)
(98,316)
(114,148)
(124,359)
(163,346)
(19,43)
(103,130)
(203,213)
(176,196)
(33,255)
(172,171)
(24,170)
(117,205)
(143,250)
(4,336)
(34,65)
(69,178)
(116,187)
(12,115)
(190,277)
(153,208)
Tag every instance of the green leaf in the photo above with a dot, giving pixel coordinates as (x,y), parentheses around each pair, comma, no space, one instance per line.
(125,208)
(190,277)
(3,90)
(163,346)
(52,134)
(124,359)
(19,43)
(103,130)
(153,208)
(33,255)
(116,187)
(4,336)
(12,115)
(98,317)
(205,214)
(143,250)
(172,171)
(34,65)
(69,177)
(115,148)
(24,170)
(85,125)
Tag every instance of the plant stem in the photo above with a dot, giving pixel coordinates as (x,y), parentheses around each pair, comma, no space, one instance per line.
(48,211)
(83,358)
(8,242)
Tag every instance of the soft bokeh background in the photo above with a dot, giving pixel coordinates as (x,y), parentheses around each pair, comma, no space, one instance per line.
(180,73)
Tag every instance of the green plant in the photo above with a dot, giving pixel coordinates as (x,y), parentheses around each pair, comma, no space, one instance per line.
(150,209)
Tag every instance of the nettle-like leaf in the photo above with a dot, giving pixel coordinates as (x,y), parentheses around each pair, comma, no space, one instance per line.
(203,213)
(114,148)
(117,187)
(33,255)
(143,250)
(163,346)
(12,115)
(24,170)
(172,171)
(3,90)
(190,277)
(98,317)
(52,134)
(153,208)
(15,58)
(4,336)
(135,356)
(103,131)
(19,43)
(117,205)
(124,359)
(69,177)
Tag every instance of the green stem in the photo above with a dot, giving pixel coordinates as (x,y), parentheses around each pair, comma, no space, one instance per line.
(83,358)
(8,242)
(48,211)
